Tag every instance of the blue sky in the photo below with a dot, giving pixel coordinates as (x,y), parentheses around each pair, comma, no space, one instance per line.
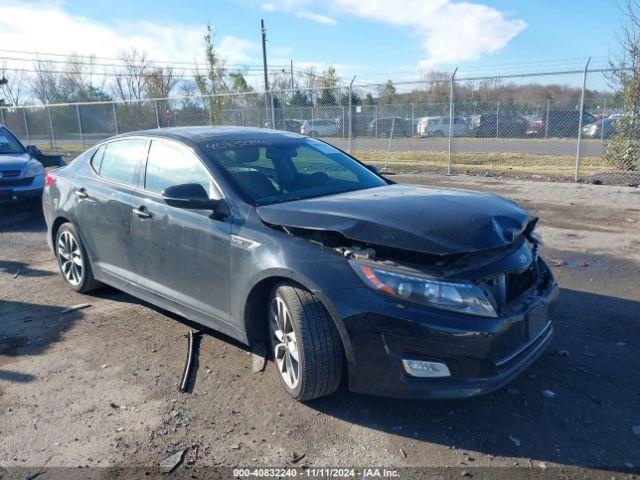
(375,39)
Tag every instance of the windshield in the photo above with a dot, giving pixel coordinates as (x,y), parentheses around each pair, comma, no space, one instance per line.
(8,143)
(282,169)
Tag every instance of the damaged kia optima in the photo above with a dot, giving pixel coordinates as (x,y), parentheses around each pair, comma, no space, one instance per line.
(268,236)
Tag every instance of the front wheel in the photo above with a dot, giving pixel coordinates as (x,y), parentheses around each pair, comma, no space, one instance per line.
(305,342)
(73,260)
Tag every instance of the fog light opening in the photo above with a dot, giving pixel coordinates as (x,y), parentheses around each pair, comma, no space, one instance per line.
(424,369)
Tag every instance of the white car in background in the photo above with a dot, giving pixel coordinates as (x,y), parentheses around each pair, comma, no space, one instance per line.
(320,128)
(439,127)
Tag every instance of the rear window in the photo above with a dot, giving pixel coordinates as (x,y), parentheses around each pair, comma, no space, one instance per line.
(120,160)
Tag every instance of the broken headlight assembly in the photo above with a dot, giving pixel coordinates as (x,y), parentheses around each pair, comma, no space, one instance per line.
(458,296)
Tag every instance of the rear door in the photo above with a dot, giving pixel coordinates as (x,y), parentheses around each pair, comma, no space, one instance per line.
(180,254)
(102,203)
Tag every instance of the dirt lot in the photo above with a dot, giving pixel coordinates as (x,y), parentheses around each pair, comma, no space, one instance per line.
(98,387)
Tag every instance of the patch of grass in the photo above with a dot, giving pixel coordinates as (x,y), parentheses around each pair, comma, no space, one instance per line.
(519,164)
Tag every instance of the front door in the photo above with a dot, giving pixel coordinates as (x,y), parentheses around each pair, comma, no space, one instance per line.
(181,254)
(102,197)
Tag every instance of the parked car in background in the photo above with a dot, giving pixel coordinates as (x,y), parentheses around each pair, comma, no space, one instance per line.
(382,127)
(439,127)
(558,123)
(321,128)
(603,128)
(21,174)
(271,237)
(507,124)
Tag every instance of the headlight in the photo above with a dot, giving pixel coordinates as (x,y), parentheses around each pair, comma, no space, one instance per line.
(34,169)
(464,297)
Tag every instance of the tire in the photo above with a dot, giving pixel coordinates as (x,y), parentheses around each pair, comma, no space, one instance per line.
(313,134)
(73,260)
(315,339)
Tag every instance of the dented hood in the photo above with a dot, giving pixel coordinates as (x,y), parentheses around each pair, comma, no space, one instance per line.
(428,220)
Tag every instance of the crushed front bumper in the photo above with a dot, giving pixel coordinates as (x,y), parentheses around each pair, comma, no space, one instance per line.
(482,354)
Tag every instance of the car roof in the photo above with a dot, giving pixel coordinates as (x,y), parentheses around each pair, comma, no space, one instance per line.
(199,134)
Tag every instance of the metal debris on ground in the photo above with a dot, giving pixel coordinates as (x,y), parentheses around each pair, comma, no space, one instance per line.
(295,458)
(172,461)
(74,308)
(184,384)
(258,357)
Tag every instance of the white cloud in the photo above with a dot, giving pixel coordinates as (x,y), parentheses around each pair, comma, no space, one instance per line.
(448,31)
(267,7)
(316,17)
(49,28)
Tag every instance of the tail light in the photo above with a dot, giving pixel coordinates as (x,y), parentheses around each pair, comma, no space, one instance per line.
(49,179)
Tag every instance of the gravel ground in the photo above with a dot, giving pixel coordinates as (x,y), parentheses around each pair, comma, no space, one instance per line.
(98,387)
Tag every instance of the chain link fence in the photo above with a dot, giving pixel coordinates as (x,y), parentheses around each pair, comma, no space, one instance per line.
(545,125)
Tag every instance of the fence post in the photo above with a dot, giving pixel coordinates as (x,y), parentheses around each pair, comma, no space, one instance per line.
(376,123)
(80,125)
(546,122)
(52,135)
(604,106)
(498,119)
(2,116)
(350,114)
(584,85)
(155,104)
(451,118)
(115,117)
(26,125)
(413,117)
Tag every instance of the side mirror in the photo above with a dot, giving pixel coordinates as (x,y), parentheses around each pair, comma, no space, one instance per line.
(373,168)
(33,151)
(189,195)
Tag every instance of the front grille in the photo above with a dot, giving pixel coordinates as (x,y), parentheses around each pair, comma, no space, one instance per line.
(19,182)
(504,288)
(518,283)
(10,173)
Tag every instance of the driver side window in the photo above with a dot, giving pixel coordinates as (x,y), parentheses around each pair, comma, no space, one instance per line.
(169,164)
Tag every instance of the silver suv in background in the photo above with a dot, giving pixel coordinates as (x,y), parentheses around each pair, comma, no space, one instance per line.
(439,127)
(320,128)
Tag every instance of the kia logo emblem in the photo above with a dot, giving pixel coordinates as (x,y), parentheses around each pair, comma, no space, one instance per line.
(522,258)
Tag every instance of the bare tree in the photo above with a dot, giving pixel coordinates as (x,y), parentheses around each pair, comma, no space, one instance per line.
(130,83)
(160,82)
(12,85)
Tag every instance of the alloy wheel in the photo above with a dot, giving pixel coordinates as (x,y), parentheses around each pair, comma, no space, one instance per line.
(70,258)
(284,342)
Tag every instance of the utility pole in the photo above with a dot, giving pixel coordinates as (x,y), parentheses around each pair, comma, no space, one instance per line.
(266,75)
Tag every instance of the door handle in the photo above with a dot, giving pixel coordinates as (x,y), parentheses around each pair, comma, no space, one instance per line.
(141,212)
(81,193)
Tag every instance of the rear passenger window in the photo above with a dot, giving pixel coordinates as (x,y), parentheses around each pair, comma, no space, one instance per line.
(170,164)
(120,160)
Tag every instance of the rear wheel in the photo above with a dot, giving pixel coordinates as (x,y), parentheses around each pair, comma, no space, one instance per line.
(305,342)
(73,260)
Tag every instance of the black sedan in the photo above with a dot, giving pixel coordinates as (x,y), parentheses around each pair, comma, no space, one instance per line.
(272,236)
